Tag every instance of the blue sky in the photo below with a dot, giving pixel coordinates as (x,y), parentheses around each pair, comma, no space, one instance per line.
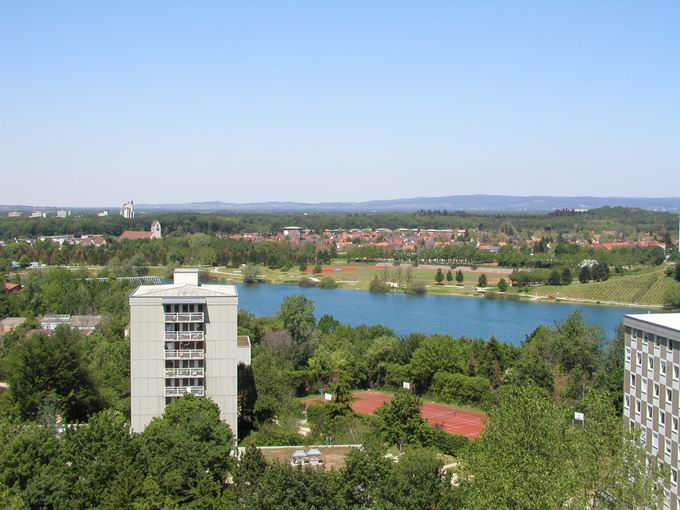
(336,101)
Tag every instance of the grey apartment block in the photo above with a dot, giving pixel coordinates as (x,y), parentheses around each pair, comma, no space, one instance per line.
(652,388)
(183,341)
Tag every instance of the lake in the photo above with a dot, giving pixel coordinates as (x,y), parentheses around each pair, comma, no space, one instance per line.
(510,320)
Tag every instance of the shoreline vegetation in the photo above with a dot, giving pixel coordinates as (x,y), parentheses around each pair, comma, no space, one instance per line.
(295,277)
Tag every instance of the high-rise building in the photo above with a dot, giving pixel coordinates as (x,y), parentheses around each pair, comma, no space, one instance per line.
(652,388)
(183,341)
(128,210)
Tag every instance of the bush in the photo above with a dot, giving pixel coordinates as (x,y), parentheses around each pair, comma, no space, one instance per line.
(377,285)
(306,282)
(416,288)
(251,273)
(327,282)
(461,388)
(450,444)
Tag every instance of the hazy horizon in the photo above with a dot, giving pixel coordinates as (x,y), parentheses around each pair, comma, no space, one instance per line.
(168,102)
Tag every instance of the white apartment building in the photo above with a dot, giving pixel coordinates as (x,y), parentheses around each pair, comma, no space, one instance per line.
(652,389)
(183,341)
(128,210)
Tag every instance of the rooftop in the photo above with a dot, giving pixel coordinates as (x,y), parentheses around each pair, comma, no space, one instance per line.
(666,320)
(185,290)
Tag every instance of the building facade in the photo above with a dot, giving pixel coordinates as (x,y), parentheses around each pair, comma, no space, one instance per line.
(183,341)
(652,389)
(128,210)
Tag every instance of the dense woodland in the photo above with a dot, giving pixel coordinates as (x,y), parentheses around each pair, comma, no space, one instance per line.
(530,456)
(617,219)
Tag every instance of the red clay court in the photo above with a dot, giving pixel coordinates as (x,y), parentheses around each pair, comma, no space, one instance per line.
(448,418)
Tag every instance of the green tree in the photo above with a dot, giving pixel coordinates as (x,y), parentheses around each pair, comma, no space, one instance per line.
(297,314)
(584,274)
(251,468)
(365,473)
(482,280)
(318,269)
(439,276)
(502,285)
(399,421)
(377,285)
(449,276)
(418,482)
(186,454)
(567,277)
(459,277)
(555,278)
(52,366)
(434,354)
(251,273)
(672,297)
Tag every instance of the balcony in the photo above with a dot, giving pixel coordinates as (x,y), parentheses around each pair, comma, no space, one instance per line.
(188,336)
(185,354)
(180,391)
(184,317)
(184,372)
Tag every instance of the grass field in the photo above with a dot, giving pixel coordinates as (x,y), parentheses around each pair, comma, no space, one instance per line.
(646,288)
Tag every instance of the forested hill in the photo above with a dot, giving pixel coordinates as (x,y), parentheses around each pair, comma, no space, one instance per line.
(450,203)
(477,203)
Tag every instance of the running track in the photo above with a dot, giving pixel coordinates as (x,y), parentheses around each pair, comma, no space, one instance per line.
(448,418)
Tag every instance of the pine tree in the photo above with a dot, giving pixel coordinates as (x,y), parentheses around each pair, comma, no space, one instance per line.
(459,277)
(449,276)
(482,281)
(439,277)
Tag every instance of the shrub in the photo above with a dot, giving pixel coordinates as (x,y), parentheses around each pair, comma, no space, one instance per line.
(450,444)
(306,282)
(416,288)
(377,285)
(327,282)
(461,388)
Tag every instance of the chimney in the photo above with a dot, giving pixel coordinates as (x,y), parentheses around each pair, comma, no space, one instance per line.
(186,275)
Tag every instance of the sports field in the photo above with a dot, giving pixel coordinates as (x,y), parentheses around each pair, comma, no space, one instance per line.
(448,418)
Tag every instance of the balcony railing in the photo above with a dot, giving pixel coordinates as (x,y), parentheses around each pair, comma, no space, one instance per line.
(180,391)
(196,336)
(184,372)
(185,354)
(184,317)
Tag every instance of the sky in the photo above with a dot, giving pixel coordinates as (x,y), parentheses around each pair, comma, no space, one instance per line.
(172,102)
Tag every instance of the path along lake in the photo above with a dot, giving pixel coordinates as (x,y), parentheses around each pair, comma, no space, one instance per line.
(509,320)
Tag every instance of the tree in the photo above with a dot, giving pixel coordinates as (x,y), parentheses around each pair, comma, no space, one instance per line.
(251,273)
(186,454)
(567,277)
(365,473)
(482,280)
(459,277)
(418,482)
(672,297)
(555,278)
(439,276)
(318,269)
(297,313)
(600,271)
(377,285)
(399,421)
(677,271)
(24,261)
(584,274)
(435,353)
(449,276)
(502,285)
(251,468)
(52,366)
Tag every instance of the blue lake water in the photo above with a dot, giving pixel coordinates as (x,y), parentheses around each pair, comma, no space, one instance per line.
(508,319)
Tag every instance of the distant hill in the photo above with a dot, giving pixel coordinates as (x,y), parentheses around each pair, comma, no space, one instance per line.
(484,203)
(472,203)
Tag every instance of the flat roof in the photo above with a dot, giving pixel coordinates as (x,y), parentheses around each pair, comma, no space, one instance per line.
(185,290)
(666,320)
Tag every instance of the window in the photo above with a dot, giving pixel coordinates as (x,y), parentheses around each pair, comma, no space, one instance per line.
(674,477)
(639,359)
(669,397)
(662,419)
(643,387)
(634,333)
(671,344)
(650,363)
(626,402)
(632,380)
(662,368)
(650,412)
(657,390)
(668,447)
(655,440)
(675,423)
(638,407)
(676,373)
(627,353)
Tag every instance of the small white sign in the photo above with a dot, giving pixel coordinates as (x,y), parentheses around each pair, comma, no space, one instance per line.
(579,416)
(406,385)
(328,396)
